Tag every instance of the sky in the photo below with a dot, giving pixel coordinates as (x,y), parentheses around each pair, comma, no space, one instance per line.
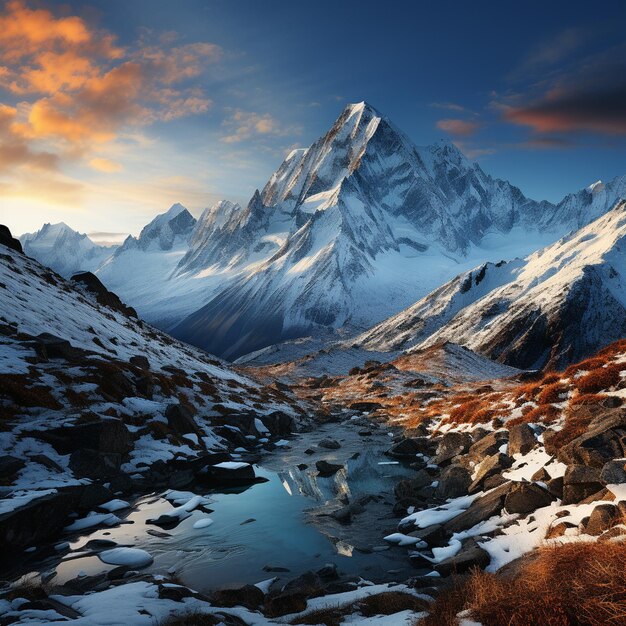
(112,110)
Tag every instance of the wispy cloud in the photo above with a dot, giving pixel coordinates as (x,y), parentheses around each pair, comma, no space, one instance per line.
(244,125)
(448,106)
(459,127)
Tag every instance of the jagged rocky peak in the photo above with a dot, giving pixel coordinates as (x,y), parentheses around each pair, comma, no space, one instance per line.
(163,231)
(214,218)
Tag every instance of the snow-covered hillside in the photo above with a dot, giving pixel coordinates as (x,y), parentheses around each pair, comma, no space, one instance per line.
(64,250)
(556,306)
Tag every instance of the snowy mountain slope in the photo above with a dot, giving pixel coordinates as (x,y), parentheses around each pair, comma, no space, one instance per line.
(345,233)
(140,268)
(64,250)
(359,224)
(557,306)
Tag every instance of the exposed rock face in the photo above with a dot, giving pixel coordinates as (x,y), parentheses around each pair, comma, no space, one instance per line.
(7,239)
(91,283)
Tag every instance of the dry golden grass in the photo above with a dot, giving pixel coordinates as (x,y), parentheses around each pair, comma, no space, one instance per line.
(587,365)
(552,393)
(581,584)
(546,414)
(600,379)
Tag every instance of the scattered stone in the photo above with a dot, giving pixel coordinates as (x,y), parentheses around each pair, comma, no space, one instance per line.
(558,530)
(614,472)
(365,407)
(248,596)
(329,444)
(612,533)
(327,469)
(229,474)
(470,556)
(489,467)
(521,439)
(603,517)
(140,361)
(487,446)
(580,482)
(10,465)
(50,346)
(454,481)
(480,510)
(410,447)
(524,498)
(181,420)
(451,445)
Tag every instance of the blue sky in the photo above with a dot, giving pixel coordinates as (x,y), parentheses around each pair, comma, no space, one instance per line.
(535,91)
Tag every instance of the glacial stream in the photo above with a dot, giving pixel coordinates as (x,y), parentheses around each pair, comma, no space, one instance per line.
(281,527)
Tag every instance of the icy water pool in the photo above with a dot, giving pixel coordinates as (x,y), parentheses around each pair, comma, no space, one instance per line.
(279,528)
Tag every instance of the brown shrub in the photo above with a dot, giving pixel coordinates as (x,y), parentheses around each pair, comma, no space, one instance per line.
(550,378)
(580,584)
(18,388)
(545,414)
(600,379)
(528,391)
(556,392)
(465,411)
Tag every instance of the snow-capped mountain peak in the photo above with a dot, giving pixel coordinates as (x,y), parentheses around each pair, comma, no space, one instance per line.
(164,231)
(63,249)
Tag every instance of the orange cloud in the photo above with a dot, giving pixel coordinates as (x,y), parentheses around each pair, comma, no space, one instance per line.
(25,31)
(78,89)
(461,128)
(105,165)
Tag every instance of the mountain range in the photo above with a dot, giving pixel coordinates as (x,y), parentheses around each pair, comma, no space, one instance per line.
(353,230)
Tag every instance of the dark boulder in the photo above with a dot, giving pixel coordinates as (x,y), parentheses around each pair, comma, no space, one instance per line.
(603,441)
(470,556)
(491,466)
(86,463)
(38,520)
(603,517)
(614,472)
(181,420)
(365,407)
(580,482)
(278,423)
(7,239)
(521,439)
(50,346)
(248,596)
(327,469)
(10,465)
(479,510)
(91,283)
(410,447)
(329,444)
(105,435)
(454,481)
(229,474)
(452,445)
(524,498)
(140,361)
(292,598)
